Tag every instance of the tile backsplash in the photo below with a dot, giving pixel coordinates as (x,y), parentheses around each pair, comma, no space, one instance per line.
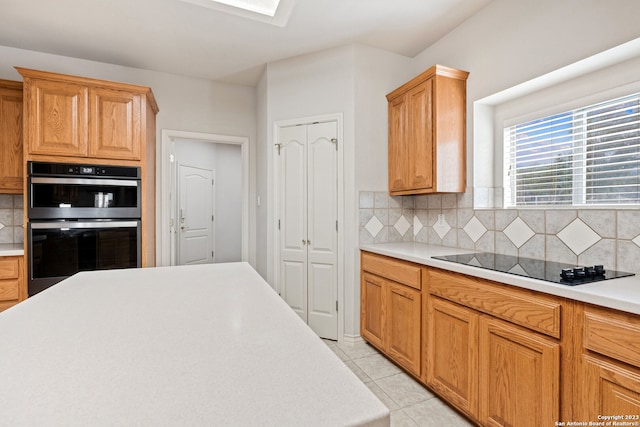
(11,218)
(575,236)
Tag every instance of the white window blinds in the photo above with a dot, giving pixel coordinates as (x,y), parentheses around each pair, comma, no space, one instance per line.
(586,156)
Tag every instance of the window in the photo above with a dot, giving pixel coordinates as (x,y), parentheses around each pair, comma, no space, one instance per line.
(588,156)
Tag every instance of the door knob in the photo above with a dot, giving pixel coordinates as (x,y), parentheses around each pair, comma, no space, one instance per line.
(308,242)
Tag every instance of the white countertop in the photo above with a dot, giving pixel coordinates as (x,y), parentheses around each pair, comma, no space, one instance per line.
(620,294)
(209,345)
(9,249)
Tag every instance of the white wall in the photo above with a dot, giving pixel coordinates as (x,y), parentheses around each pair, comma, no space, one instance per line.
(511,42)
(186,104)
(352,80)
(228,203)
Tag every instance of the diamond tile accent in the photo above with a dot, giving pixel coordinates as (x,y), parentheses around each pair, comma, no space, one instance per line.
(374,226)
(578,236)
(1,226)
(474,229)
(442,229)
(402,225)
(518,232)
(637,240)
(417,225)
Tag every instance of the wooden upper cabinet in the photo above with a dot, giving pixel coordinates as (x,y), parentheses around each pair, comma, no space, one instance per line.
(427,133)
(114,124)
(81,117)
(56,118)
(11,157)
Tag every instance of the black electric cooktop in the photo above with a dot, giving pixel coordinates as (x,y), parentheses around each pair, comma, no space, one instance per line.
(556,272)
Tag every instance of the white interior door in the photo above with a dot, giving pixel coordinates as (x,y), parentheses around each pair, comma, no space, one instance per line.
(308,222)
(195,215)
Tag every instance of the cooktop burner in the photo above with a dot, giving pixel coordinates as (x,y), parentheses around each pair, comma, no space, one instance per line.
(564,274)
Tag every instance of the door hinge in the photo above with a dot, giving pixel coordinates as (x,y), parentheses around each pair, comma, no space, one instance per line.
(278,224)
(336,305)
(213,254)
(335,141)
(336,225)
(212,218)
(278,146)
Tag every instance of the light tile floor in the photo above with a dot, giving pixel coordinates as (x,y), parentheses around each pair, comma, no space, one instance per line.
(410,403)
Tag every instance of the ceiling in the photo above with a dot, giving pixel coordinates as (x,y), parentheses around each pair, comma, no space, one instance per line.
(183,38)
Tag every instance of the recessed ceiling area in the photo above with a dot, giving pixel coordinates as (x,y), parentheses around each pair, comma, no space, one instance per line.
(182,37)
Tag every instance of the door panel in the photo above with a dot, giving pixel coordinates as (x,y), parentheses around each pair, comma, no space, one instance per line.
(293,286)
(195,215)
(293,219)
(322,237)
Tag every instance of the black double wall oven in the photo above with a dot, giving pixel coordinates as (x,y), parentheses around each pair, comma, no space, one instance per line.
(81,218)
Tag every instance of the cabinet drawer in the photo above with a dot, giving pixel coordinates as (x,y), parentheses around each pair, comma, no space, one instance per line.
(521,307)
(616,335)
(9,290)
(399,271)
(9,268)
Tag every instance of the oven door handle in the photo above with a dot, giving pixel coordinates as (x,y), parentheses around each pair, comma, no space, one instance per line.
(61,225)
(85,181)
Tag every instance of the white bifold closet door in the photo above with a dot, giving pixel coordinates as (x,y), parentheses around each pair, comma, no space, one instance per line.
(308,176)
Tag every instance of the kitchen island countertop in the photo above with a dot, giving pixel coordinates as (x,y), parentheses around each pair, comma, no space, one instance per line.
(11,249)
(620,294)
(191,345)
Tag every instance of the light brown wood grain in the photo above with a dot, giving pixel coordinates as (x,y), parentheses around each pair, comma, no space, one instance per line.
(519,376)
(11,156)
(12,282)
(403,322)
(427,133)
(612,334)
(451,360)
(404,272)
(526,308)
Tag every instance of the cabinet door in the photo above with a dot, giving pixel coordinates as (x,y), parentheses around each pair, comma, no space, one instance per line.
(371,309)
(420,128)
(403,321)
(10,281)
(399,149)
(452,353)
(115,124)
(11,164)
(57,119)
(608,389)
(519,376)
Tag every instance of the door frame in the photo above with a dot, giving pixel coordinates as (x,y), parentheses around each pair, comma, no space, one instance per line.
(340,259)
(167,232)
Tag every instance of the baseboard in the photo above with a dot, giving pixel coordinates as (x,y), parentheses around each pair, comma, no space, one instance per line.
(351,339)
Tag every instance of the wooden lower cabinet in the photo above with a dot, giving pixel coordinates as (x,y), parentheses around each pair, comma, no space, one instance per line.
(519,376)
(452,354)
(391,309)
(608,389)
(12,288)
(403,326)
(502,355)
(372,324)
(609,366)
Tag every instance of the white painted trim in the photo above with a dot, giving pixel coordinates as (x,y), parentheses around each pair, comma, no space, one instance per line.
(167,236)
(338,118)
(352,339)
